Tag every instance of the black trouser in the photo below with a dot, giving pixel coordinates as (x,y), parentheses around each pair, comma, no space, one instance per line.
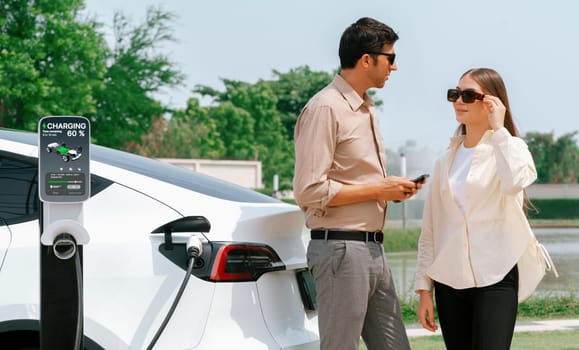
(478,318)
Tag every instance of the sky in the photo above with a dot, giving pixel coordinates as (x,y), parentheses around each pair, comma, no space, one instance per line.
(534,45)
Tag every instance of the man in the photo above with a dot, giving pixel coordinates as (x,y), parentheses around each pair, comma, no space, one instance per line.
(341,185)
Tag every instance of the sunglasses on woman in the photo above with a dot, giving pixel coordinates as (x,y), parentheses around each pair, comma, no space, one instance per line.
(467,96)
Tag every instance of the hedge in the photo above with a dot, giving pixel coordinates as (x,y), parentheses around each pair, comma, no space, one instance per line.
(567,208)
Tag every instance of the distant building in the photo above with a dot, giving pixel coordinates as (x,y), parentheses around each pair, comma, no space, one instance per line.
(245,173)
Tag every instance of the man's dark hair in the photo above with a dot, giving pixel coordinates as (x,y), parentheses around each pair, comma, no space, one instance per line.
(364,36)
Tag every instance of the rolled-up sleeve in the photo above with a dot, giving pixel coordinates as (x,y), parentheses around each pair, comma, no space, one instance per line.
(315,143)
(426,241)
(515,165)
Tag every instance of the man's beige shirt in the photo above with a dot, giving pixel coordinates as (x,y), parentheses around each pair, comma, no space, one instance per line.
(337,142)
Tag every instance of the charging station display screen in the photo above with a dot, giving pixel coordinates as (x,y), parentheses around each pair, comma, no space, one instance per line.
(64,159)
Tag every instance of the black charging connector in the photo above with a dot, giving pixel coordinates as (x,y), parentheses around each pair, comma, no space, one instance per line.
(194,249)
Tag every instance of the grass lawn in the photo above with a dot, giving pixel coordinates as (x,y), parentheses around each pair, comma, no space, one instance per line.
(534,308)
(552,340)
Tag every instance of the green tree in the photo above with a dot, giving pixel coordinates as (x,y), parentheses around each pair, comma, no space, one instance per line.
(190,133)
(200,137)
(51,61)
(250,125)
(153,143)
(236,129)
(136,70)
(293,90)
(556,160)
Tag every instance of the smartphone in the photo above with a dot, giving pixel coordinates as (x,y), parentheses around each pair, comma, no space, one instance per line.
(421,178)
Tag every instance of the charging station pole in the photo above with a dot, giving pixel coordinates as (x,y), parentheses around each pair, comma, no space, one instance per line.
(64,184)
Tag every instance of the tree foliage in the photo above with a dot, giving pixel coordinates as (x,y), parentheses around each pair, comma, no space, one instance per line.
(556,160)
(51,63)
(248,122)
(188,134)
(245,121)
(293,90)
(196,132)
(126,107)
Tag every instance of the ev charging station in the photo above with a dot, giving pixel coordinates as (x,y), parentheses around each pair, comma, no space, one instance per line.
(64,184)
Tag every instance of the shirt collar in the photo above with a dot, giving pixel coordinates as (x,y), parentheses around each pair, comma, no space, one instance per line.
(457,140)
(351,96)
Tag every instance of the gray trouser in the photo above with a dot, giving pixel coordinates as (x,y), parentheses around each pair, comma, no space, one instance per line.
(356,296)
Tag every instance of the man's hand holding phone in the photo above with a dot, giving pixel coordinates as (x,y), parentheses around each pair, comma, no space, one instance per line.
(419,181)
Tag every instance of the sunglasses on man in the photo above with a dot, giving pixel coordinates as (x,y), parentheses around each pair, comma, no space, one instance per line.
(391,56)
(467,96)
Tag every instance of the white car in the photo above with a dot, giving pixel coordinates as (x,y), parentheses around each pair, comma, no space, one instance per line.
(247,290)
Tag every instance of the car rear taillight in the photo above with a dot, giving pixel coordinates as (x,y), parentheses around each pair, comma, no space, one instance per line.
(240,262)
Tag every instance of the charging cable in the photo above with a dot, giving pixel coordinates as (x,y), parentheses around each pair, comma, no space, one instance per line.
(64,247)
(80,315)
(194,249)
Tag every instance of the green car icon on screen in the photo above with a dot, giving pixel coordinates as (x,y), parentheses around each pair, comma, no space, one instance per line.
(67,154)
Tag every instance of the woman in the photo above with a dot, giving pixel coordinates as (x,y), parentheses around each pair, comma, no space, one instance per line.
(474,229)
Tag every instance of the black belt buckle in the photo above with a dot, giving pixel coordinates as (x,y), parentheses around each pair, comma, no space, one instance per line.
(374,235)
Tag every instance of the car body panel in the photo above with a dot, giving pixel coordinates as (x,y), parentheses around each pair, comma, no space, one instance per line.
(280,298)
(129,285)
(19,148)
(5,239)
(127,278)
(20,299)
(241,302)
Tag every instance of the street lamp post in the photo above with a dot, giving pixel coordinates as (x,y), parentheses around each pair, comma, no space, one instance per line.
(403,174)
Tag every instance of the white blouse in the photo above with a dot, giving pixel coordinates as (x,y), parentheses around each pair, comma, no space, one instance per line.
(479,247)
(458,172)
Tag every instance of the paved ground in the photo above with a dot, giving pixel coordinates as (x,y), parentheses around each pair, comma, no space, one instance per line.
(530,326)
